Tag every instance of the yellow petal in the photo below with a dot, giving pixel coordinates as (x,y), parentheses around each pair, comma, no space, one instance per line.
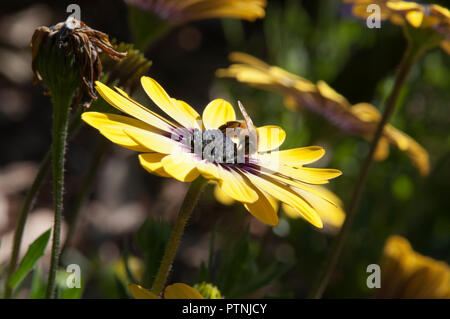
(330,93)
(403,5)
(231,182)
(132,108)
(181,291)
(234,185)
(194,117)
(291,212)
(246,74)
(152,163)
(445,45)
(217,113)
(415,18)
(382,150)
(112,126)
(180,112)
(152,141)
(181,166)
(139,292)
(221,197)
(288,196)
(309,174)
(247,59)
(314,189)
(270,137)
(209,170)
(297,156)
(331,215)
(439,11)
(264,209)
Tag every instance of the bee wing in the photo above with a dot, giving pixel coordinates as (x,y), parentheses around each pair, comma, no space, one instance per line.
(253,136)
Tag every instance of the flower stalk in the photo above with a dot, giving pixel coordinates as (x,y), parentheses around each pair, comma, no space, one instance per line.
(190,200)
(412,54)
(61,109)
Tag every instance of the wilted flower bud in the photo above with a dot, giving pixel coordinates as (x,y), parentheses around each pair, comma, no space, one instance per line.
(66,57)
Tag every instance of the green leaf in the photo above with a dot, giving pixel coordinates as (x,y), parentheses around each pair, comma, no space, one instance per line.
(37,289)
(35,251)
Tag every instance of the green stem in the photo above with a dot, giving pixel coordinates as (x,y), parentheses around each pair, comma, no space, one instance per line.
(30,197)
(85,188)
(411,56)
(190,200)
(61,103)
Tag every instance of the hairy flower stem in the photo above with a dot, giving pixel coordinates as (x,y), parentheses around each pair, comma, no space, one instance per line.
(190,200)
(411,56)
(29,202)
(61,109)
(86,184)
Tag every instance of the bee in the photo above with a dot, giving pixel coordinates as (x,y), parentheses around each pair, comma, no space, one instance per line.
(246,139)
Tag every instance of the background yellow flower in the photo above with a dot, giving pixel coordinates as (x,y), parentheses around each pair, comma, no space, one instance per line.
(359,119)
(408,274)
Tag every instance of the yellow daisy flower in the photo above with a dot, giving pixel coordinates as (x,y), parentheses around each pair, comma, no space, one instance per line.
(359,119)
(408,274)
(182,11)
(359,9)
(431,17)
(175,291)
(247,166)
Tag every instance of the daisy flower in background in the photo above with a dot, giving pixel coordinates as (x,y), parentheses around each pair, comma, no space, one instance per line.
(359,9)
(408,274)
(425,18)
(359,119)
(174,291)
(430,20)
(246,164)
(182,11)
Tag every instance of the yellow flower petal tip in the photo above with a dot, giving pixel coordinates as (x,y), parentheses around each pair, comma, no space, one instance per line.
(138,292)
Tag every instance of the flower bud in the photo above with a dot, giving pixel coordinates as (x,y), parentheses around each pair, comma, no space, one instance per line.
(66,57)
(209,291)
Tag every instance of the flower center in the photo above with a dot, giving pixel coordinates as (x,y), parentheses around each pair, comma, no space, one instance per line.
(217,146)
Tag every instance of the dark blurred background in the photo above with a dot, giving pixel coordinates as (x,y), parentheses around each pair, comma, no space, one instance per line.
(318,40)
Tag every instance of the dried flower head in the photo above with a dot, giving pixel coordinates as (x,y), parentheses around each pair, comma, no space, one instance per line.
(70,50)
